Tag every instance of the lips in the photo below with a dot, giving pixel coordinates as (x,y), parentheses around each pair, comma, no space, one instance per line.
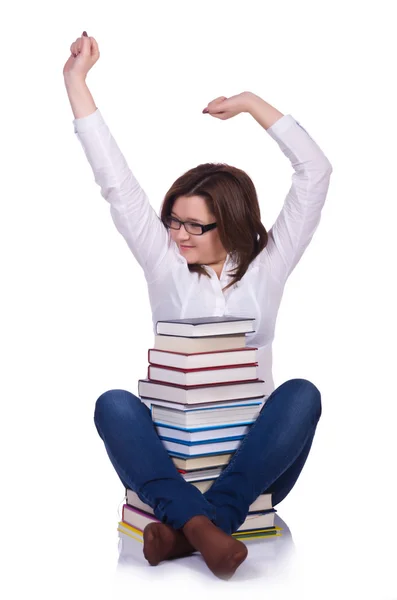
(186,247)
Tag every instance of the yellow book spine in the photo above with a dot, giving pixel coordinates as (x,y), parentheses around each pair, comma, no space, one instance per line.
(257,530)
(257,537)
(136,538)
(131,528)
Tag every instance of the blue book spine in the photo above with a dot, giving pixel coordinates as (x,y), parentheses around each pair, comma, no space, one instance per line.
(181,455)
(214,441)
(193,429)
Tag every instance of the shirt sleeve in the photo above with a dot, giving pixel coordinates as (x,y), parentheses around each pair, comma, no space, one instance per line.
(134,217)
(301,212)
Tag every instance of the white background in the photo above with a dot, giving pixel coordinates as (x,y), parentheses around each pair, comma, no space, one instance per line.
(75,315)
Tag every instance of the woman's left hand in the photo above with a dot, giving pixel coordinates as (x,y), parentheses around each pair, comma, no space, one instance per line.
(225,108)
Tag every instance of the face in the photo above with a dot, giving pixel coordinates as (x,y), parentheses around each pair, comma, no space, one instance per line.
(205,249)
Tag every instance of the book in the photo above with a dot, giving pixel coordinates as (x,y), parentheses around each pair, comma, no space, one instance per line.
(271,532)
(139,519)
(218,343)
(201,433)
(261,504)
(206,326)
(185,449)
(132,532)
(220,404)
(182,394)
(212,416)
(208,376)
(203,360)
(202,474)
(255,521)
(189,464)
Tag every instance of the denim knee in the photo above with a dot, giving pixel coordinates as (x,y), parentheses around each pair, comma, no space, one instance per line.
(113,403)
(309,395)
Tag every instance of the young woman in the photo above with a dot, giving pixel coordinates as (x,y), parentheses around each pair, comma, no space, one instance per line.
(208,255)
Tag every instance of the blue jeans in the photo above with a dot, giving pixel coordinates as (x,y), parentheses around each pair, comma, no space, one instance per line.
(269,458)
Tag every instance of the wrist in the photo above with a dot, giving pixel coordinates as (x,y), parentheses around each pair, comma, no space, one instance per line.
(72,80)
(251,100)
(263,112)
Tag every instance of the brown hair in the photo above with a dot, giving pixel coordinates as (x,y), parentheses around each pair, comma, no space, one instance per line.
(231,196)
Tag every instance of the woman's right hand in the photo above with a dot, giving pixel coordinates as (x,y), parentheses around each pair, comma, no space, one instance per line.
(84,55)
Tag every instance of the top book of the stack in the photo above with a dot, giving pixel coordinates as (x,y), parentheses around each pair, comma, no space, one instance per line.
(200,327)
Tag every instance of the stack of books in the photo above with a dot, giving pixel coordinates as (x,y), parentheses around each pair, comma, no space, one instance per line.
(204,395)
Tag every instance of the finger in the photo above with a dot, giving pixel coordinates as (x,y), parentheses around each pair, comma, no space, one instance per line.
(77,46)
(85,46)
(217,101)
(215,104)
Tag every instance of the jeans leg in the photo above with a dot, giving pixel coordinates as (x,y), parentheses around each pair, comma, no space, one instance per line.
(141,461)
(282,486)
(271,455)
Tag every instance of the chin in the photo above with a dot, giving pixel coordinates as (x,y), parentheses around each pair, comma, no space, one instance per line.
(188,254)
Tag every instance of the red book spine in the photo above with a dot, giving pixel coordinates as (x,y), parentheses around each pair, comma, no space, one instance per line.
(206,385)
(238,366)
(209,352)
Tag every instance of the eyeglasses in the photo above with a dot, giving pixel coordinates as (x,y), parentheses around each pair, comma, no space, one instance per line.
(193,228)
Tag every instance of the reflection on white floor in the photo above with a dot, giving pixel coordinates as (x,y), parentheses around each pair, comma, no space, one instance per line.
(269,557)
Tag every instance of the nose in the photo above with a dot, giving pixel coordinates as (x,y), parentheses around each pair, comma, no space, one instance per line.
(181,234)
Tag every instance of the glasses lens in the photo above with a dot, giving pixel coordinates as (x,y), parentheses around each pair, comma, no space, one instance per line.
(173,223)
(193,228)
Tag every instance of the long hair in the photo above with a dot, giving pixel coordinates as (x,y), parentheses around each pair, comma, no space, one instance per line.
(231,196)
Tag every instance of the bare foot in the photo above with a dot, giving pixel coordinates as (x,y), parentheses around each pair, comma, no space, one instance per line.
(162,542)
(222,553)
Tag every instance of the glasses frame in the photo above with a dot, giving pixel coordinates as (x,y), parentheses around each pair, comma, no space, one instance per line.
(204,228)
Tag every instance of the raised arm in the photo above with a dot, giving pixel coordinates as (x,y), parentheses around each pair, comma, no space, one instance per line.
(300,215)
(130,208)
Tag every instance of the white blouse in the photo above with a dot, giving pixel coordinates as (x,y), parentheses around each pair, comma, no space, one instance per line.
(174,292)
